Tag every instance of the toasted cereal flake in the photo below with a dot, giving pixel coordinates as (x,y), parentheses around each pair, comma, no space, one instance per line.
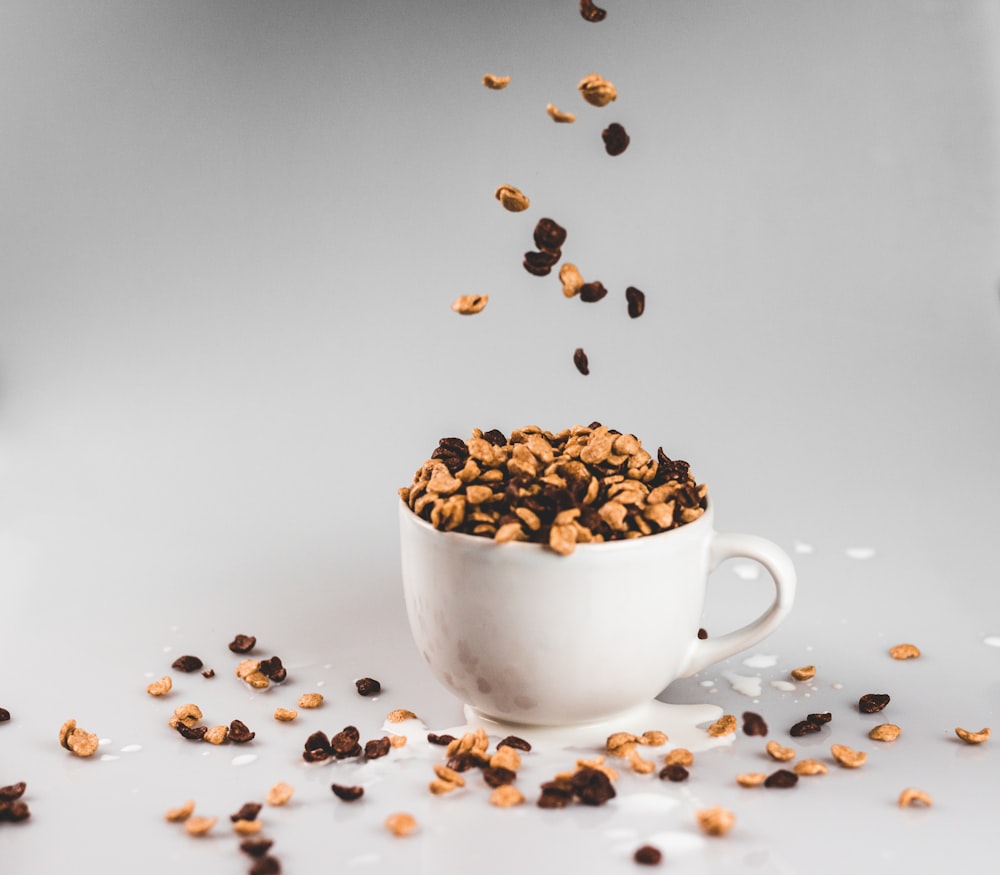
(904,651)
(495,83)
(506,758)
(973,737)
(285,715)
(715,821)
(557,115)
(913,796)
(597,90)
(506,796)
(81,743)
(280,793)
(884,732)
(217,735)
(804,673)
(467,305)
(777,752)
(679,756)
(189,714)
(396,740)
(810,767)
(247,667)
(199,826)
(160,687)
(247,827)
(310,700)
(181,812)
(653,737)
(511,198)
(725,725)
(401,823)
(399,715)
(848,758)
(64,733)
(751,779)
(258,680)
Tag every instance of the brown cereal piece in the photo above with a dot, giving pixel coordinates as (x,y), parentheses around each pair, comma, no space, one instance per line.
(181,812)
(715,821)
(674,772)
(208,673)
(265,865)
(285,715)
(810,767)
(725,725)
(495,83)
(377,747)
(884,732)
(511,198)
(680,756)
(81,743)
(468,305)
(248,811)
(256,847)
(188,714)
(592,292)
(11,792)
(497,776)
(258,680)
(848,758)
(401,823)
(64,732)
(597,90)
(776,752)
(558,116)
(506,757)
(804,673)
(592,786)
(247,827)
(242,643)
(616,139)
(161,687)
(912,796)
(872,703)
(187,663)
(4,715)
(515,742)
(904,651)
(571,279)
(239,732)
(782,779)
(199,826)
(347,793)
(310,700)
(400,715)
(506,796)
(247,667)
(217,735)
(973,737)
(751,779)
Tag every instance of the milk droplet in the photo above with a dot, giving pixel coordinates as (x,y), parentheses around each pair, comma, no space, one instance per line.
(784,686)
(167,648)
(802,547)
(748,686)
(104,741)
(108,757)
(860,552)
(131,748)
(366,859)
(760,660)
(992,640)
(746,571)
(646,803)
(708,683)
(244,758)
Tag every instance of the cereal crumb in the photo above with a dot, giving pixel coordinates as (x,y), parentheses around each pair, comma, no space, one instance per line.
(913,796)
(285,715)
(973,737)
(280,793)
(715,821)
(242,643)
(199,826)
(904,651)
(777,752)
(804,673)
(310,700)
(161,687)
(885,732)
(495,83)
(399,715)
(851,759)
(187,663)
(181,812)
(725,725)
(506,796)
(401,823)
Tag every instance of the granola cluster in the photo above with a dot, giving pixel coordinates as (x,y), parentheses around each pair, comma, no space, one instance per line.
(582,485)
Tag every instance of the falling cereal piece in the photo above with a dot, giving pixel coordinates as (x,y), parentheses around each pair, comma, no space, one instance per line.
(495,83)
(557,115)
(468,305)
(581,361)
(511,198)
(597,90)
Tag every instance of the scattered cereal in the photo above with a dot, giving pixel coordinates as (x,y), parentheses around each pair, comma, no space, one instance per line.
(216,735)
(506,796)
(913,796)
(199,826)
(399,715)
(160,687)
(973,737)
(188,714)
(181,813)
(680,756)
(401,823)
(512,199)
(187,664)
(468,305)
(557,115)
(247,827)
(804,727)
(810,767)
(725,725)
(77,741)
(885,732)
(715,821)
(597,90)
(592,292)
(904,651)
(495,83)
(443,740)
(804,673)
(851,759)
(239,733)
(285,714)
(871,703)
(751,779)
(515,742)
(777,752)
(615,138)
(571,279)
(310,700)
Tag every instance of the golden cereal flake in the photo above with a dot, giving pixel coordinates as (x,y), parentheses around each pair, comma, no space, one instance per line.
(904,651)
(558,116)
(597,90)
(804,673)
(884,732)
(81,743)
(776,752)
(181,812)
(401,823)
(280,793)
(216,735)
(751,779)
(247,827)
(679,756)
(285,715)
(506,796)
(511,198)
(848,758)
(160,687)
(399,715)
(715,821)
(973,737)
(495,83)
(725,725)
(468,305)
(199,826)
(913,796)
(310,700)
(810,767)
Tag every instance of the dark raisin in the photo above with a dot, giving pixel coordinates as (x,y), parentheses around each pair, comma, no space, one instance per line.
(12,791)
(192,733)
(266,865)
(273,669)
(804,727)
(581,361)
(242,643)
(781,778)
(377,747)
(514,742)
(187,663)
(495,437)
(592,786)
(753,724)
(14,811)
(540,263)
(348,794)
(548,799)
(248,811)
(591,292)
(462,762)
(4,715)
(208,673)
(647,855)
(443,740)
(702,634)
(821,719)
(315,756)
(496,776)
(239,733)
(674,772)
(636,302)
(549,235)
(615,138)
(256,847)
(345,740)
(368,686)
(870,703)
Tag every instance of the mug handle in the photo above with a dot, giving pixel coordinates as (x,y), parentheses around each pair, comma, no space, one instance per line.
(704,653)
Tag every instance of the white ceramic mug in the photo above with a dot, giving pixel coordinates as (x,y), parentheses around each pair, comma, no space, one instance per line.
(524,635)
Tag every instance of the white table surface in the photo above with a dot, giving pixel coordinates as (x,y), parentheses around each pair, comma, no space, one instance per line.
(231,233)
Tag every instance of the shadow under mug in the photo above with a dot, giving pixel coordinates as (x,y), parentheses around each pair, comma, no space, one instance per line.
(524,635)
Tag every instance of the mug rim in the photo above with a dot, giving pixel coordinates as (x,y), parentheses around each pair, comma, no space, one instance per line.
(603,546)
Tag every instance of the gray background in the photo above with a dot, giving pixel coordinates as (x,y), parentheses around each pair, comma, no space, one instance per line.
(229,237)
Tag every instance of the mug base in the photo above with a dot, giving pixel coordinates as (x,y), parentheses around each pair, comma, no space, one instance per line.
(681,723)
